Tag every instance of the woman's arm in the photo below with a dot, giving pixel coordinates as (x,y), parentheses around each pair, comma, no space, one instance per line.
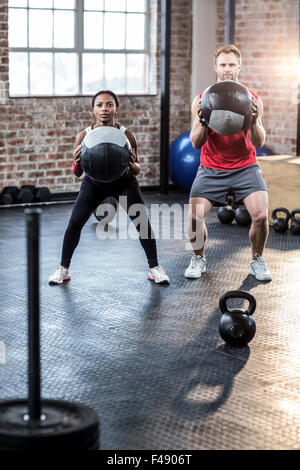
(135,166)
(77,149)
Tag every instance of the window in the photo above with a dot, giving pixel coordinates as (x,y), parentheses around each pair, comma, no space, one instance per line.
(70,47)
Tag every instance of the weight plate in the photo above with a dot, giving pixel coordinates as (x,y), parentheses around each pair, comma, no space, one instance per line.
(65,425)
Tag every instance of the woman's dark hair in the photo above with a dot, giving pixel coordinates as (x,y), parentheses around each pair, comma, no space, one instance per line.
(106,92)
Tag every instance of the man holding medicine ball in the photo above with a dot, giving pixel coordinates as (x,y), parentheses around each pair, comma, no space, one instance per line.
(229,165)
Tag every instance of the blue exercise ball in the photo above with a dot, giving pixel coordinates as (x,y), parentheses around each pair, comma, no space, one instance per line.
(184,161)
(264,151)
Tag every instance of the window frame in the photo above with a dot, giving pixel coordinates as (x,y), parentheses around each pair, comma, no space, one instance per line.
(79,50)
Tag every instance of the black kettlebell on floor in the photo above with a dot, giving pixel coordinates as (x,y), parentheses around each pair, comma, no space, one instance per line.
(281,225)
(295,225)
(226,213)
(242,216)
(237,326)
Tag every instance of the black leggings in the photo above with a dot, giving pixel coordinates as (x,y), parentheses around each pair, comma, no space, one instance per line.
(91,194)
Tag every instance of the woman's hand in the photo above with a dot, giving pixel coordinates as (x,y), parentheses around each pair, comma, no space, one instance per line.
(76,154)
(134,165)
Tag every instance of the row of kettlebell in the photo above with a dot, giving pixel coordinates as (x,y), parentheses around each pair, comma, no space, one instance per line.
(231,211)
(281,224)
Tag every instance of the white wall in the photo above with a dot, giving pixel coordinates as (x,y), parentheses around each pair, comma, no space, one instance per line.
(204,44)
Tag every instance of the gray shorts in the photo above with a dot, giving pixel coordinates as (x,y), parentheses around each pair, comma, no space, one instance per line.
(214,185)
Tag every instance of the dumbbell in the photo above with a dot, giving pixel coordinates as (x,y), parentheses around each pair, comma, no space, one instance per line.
(9,195)
(26,194)
(42,194)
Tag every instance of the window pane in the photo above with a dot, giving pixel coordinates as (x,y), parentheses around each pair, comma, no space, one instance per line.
(65,74)
(115,5)
(40,3)
(18,83)
(93,4)
(93,30)
(41,73)
(115,72)
(67,4)
(40,28)
(92,73)
(17,28)
(114,31)
(63,29)
(136,73)
(17,3)
(136,5)
(135,31)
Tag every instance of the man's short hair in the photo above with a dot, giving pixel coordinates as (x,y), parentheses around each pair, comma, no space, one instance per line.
(227,49)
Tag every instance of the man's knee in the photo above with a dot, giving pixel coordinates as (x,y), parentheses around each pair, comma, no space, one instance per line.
(260,218)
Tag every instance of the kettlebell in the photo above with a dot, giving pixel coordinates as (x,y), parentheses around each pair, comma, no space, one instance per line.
(295,225)
(237,326)
(281,225)
(226,213)
(242,216)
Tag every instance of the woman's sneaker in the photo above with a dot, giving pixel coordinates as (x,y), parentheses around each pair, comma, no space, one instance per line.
(158,274)
(259,269)
(196,267)
(61,274)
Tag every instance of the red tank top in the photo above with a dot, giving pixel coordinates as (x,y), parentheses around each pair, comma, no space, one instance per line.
(228,152)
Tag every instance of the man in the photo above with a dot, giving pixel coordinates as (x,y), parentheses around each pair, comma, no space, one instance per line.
(229,164)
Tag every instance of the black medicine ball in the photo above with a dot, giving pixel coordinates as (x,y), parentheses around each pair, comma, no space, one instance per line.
(227,107)
(105,154)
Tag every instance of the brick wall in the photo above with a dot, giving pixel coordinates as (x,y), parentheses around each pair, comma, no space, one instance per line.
(267,31)
(37,134)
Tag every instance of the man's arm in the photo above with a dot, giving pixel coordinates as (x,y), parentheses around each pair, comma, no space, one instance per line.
(257,131)
(199,131)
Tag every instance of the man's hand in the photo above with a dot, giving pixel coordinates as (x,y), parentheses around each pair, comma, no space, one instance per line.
(255,111)
(200,115)
(76,154)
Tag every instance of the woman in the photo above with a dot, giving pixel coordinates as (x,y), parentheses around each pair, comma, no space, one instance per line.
(105,108)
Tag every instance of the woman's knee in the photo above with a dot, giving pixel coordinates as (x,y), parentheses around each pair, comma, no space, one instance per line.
(76,224)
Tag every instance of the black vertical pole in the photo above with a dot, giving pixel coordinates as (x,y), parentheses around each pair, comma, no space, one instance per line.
(229,21)
(298,98)
(165,95)
(33,227)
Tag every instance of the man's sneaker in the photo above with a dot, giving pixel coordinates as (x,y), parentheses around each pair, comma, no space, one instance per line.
(158,275)
(61,274)
(196,268)
(259,269)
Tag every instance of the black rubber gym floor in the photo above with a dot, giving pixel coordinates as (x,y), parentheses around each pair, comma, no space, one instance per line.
(149,358)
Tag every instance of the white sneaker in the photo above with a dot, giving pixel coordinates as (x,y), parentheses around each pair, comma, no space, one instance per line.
(61,274)
(259,269)
(196,268)
(158,274)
